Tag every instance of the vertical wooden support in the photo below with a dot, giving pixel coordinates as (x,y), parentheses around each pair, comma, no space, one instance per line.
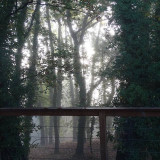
(102,124)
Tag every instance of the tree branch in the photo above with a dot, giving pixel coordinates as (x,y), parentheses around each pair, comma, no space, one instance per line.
(31,24)
(94,86)
(57,5)
(112,92)
(20,8)
(84,24)
(73,34)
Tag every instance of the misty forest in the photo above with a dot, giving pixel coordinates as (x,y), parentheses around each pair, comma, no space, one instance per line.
(79,54)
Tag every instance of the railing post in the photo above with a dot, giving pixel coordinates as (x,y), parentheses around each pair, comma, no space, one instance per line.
(102,124)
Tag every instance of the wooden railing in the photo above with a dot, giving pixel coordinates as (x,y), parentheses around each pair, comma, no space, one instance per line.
(91,111)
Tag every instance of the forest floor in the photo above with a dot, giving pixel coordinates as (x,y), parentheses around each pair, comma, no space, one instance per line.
(67,151)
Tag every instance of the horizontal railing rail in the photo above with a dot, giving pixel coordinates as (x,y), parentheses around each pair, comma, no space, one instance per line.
(102,112)
(90,111)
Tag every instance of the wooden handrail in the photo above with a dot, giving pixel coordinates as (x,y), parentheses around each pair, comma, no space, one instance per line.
(91,111)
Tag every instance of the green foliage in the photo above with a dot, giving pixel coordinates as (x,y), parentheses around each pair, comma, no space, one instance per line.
(12,85)
(137,68)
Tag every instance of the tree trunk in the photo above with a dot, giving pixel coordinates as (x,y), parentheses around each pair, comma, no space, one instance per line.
(42,131)
(59,91)
(82,93)
(81,83)
(57,88)
(32,80)
(53,90)
(17,82)
(51,118)
(74,119)
(42,123)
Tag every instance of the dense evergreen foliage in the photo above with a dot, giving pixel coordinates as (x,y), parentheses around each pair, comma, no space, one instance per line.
(10,146)
(14,90)
(137,68)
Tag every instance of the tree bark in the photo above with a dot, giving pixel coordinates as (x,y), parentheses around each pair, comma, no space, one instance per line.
(42,131)
(51,118)
(32,79)
(53,89)
(59,92)
(42,123)
(81,83)
(74,119)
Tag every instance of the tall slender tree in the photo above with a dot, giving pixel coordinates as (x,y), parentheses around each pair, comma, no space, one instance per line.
(56,87)
(32,78)
(78,36)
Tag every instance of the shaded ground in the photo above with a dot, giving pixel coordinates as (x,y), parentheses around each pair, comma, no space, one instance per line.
(67,151)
